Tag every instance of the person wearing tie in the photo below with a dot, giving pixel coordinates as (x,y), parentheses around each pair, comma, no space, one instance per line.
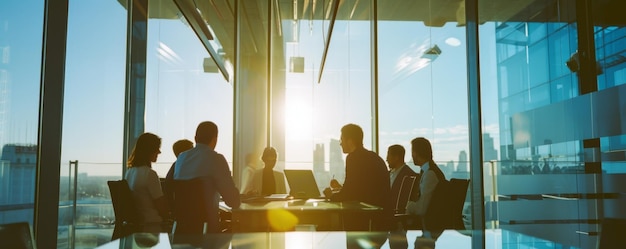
(430,177)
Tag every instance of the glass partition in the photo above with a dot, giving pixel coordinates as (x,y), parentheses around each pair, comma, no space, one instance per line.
(93,121)
(555,69)
(21,27)
(316,105)
(422,85)
(183,84)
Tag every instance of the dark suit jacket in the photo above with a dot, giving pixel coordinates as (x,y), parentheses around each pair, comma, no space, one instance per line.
(367,180)
(395,188)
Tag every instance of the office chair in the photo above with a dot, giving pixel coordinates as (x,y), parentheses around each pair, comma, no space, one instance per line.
(189,207)
(126,215)
(445,210)
(17,235)
(612,233)
(407,192)
(457,192)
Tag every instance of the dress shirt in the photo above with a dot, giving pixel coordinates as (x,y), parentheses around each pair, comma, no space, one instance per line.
(393,174)
(203,162)
(428,182)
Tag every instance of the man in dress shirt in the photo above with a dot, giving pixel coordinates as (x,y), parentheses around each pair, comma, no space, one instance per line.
(203,162)
(430,177)
(366,180)
(397,171)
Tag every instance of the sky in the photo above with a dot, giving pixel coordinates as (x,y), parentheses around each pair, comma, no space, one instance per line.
(417,96)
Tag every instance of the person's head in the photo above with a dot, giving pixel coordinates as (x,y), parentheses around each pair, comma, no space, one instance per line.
(206,133)
(395,156)
(351,138)
(421,151)
(146,150)
(269,157)
(181,145)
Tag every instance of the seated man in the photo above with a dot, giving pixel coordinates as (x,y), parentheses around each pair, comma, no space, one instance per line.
(430,177)
(366,180)
(397,171)
(205,163)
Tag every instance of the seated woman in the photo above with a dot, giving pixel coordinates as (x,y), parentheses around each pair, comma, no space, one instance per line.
(144,182)
(266,181)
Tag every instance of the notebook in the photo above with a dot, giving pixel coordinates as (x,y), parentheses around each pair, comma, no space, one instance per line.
(302,184)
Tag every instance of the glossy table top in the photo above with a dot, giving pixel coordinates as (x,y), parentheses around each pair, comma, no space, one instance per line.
(297,204)
(495,238)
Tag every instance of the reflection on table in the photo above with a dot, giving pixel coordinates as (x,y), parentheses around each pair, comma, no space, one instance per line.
(289,215)
(495,238)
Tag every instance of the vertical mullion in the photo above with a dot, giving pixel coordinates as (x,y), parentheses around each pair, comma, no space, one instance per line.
(475,125)
(48,171)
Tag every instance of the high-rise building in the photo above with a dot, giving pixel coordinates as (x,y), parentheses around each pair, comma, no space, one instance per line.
(319,158)
(17,181)
(489,151)
(337,165)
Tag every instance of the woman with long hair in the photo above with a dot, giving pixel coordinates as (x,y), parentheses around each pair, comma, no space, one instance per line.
(144,182)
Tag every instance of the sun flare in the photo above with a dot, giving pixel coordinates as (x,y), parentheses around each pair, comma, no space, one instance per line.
(298,119)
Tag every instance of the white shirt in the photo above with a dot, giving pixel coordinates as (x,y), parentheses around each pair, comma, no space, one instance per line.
(393,174)
(428,182)
(246,179)
(146,187)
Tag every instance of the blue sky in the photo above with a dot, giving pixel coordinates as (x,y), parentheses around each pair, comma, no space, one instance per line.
(430,101)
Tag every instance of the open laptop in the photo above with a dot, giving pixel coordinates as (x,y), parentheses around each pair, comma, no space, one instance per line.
(302,184)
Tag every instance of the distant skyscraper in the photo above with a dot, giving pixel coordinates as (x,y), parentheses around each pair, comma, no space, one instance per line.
(462,165)
(318,158)
(489,150)
(17,182)
(337,167)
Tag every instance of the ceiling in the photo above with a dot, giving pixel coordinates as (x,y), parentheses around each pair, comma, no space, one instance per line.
(220,14)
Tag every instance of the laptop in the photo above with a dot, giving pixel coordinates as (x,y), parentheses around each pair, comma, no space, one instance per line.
(302,184)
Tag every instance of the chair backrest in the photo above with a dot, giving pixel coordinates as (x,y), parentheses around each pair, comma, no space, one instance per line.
(17,235)
(445,210)
(458,191)
(123,202)
(406,192)
(190,211)
(612,233)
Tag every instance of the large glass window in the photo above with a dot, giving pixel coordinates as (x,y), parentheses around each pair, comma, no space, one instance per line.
(183,84)
(21,29)
(317,105)
(93,121)
(560,150)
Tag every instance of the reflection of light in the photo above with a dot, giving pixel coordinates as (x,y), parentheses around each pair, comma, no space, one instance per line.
(453,42)
(411,60)
(298,119)
(167,54)
(281,219)
(299,240)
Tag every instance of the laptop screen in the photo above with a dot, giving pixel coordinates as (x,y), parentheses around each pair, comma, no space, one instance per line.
(302,183)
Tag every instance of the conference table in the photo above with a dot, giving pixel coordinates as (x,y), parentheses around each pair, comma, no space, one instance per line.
(495,238)
(263,215)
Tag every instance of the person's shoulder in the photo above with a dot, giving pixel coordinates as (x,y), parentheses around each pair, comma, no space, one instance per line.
(407,170)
